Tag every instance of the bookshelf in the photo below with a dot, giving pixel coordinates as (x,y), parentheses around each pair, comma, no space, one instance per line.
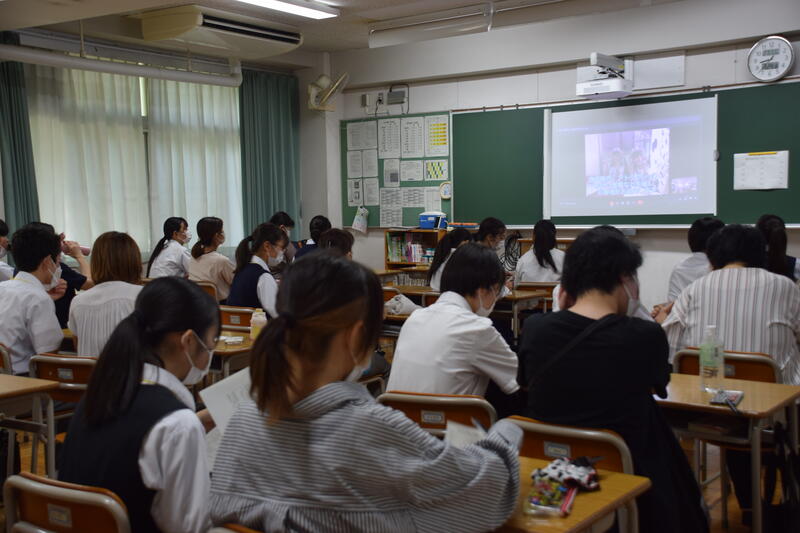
(410,248)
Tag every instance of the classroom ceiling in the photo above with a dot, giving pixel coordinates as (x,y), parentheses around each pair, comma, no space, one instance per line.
(347,31)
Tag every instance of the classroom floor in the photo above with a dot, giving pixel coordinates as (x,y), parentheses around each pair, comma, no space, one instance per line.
(712,494)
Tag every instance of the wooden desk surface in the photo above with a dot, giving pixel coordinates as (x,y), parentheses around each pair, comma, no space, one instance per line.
(14,386)
(516,294)
(760,399)
(224,350)
(615,490)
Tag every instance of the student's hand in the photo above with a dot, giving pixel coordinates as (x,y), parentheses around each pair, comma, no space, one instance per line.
(206,420)
(73,249)
(663,312)
(57,292)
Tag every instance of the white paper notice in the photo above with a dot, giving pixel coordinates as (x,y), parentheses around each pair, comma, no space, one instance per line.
(412,137)
(370,135)
(370,163)
(222,397)
(389,138)
(391,173)
(436,170)
(410,170)
(355,136)
(354,193)
(391,198)
(413,196)
(360,220)
(354,165)
(761,170)
(437,135)
(371,196)
(433,200)
(391,217)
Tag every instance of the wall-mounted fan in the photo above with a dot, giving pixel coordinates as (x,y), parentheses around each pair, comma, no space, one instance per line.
(322,92)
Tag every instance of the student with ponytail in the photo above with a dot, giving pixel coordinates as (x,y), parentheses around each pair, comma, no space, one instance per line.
(169,257)
(253,284)
(543,262)
(135,431)
(445,248)
(313,451)
(207,264)
(773,229)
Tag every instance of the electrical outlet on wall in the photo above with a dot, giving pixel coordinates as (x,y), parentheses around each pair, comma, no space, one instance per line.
(380,99)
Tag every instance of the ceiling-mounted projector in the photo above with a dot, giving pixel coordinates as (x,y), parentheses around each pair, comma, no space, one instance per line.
(605,79)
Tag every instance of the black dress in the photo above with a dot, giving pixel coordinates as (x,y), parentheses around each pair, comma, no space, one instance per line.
(607,381)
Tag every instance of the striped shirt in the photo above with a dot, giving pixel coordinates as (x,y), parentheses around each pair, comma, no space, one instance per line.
(754,311)
(344,463)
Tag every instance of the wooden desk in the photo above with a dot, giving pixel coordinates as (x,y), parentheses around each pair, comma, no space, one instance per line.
(14,389)
(589,507)
(761,402)
(228,353)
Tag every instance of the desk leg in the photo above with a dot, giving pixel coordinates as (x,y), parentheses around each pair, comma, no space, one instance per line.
(37,417)
(51,439)
(792,419)
(755,473)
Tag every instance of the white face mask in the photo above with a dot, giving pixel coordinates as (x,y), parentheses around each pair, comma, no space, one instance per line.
(631,287)
(3,252)
(55,277)
(196,374)
(357,372)
(188,237)
(485,311)
(275,261)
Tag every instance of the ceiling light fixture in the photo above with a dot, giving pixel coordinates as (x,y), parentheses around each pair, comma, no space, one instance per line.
(302,8)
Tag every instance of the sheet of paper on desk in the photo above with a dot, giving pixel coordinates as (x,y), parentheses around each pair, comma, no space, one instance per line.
(461,436)
(761,170)
(222,397)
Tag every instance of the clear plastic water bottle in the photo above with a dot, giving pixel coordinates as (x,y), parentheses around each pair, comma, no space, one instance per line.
(257,323)
(712,362)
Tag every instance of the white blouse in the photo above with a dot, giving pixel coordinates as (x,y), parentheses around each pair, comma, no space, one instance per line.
(214,268)
(172,261)
(530,271)
(436,277)
(267,288)
(6,271)
(94,314)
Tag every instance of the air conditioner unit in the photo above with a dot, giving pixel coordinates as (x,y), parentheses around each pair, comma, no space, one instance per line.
(207,31)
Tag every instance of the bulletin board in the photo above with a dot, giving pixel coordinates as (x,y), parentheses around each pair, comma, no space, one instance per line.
(394,165)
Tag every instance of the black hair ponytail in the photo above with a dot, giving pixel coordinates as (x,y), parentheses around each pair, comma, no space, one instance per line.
(265,232)
(544,240)
(451,240)
(171,225)
(164,305)
(207,229)
(773,229)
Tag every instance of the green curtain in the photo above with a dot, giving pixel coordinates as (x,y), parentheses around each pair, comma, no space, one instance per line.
(269,118)
(16,153)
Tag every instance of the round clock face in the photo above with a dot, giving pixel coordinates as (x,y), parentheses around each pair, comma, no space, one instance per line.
(446,190)
(770,58)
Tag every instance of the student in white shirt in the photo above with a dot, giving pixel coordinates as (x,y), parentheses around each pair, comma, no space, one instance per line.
(253,283)
(29,325)
(543,262)
(452,240)
(6,270)
(207,264)
(285,222)
(451,346)
(135,432)
(696,265)
(117,273)
(312,450)
(169,257)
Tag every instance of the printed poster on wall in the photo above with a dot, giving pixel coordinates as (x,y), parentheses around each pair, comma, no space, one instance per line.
(354,164)
(355,192)
(437,136)
(389,138)
(391,173)
(412,137)
(369,163)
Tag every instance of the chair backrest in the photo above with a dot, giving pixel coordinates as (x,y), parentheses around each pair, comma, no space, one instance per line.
(432,411)
(389,293)
(232,528)
(71,372)
(549,441)
(5,361)
(208,287)
(42,505)
(236,318)
(430,298)
(738,365)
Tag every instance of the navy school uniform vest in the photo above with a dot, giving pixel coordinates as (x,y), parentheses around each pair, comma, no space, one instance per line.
(244,289)
(107,456)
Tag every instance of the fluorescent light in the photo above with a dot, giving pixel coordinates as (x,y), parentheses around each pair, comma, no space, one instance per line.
(301,8)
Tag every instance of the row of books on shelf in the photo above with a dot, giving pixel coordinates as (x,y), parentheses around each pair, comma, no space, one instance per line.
(403,250)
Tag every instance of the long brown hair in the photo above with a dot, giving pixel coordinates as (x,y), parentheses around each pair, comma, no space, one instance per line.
(319,296)
(116,257)
(207,229)
(773,229)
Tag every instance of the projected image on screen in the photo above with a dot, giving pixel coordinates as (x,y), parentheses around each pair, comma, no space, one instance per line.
(627,163)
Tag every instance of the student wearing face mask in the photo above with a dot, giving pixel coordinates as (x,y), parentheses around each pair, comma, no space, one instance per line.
(170,257)
(253,283)
(6,270)
(451,346)
(135,432)
(313,451)
(285,222)
(593,366)
(29,324)
(207,263)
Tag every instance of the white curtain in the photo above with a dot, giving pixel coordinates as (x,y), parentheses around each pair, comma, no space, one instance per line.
(195,161)
(89,152)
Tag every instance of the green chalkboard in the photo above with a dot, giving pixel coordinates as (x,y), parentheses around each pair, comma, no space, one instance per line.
(410,214)
(498,158)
